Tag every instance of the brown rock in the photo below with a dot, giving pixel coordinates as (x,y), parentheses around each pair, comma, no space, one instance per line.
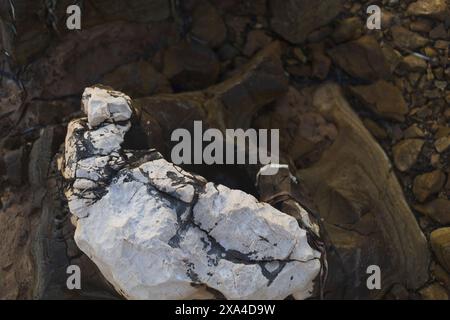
(439,32)
(429,8)
(320,34)
(406,39)
(414,132)
(430,52)
(406,153)
(190,66)
(348,29)
(354,167)
(442,131)
(442,44)
(137,79)
(438,210)
(398,292)
(392,56)
(230,104)
(388,19)
(295,19)
(142,11)
(441,275)
(207,25)
(256,40)
(362,58)
(440,243)
(421,25)
(14,162)
(413,63)
(434,291)
(98,51)
(442,144)
(302,71)
(320,62)
(427,184)
(383,98)
(377,131)
(242,7)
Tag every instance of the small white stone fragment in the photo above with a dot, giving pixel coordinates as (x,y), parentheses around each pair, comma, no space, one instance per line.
(101,105)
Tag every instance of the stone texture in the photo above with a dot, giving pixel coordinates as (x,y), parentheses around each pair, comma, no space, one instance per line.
(438,210)
(406,39)
(208,25)
(114,44)
(413,63)
(347,168)
(406,153)
(158,232)
(429,8)
(442,144)
(137,79)
(190,66)
(348,29)
(362,58)
(427,184)
(100,105)
(294,20)
(256,40)
(434,291)
(383,98)
(440,243)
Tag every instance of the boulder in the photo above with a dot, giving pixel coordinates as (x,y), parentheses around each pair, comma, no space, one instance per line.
(158,232)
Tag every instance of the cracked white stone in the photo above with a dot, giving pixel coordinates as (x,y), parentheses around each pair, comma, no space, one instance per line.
(158,232)
(102,105)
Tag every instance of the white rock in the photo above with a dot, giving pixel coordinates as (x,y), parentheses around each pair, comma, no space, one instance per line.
(149,246)
(158,232)
(102,105)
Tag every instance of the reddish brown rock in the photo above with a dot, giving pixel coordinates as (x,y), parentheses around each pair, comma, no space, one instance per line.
(320,62)
(348,29)
(137,79)
(362,58)
(256,40)
(56,75)
(207,25)
(434,291)
(427,184)
(406,153)
(429,8)
(383,98)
